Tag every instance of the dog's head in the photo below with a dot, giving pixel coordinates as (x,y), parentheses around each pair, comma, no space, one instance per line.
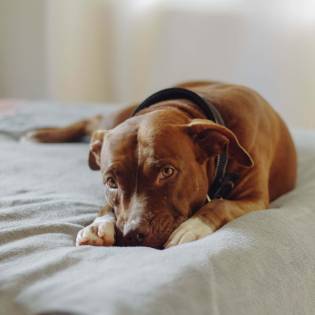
(157,168)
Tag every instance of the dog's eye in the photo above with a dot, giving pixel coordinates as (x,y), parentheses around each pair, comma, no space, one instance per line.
(111,183)
(167,171)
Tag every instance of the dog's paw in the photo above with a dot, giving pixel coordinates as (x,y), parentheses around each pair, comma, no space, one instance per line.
(48,135)
(30,136)
(190,230)
(99,233)
(39,135)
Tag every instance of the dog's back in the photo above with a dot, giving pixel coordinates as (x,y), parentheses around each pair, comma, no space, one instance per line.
(258,127)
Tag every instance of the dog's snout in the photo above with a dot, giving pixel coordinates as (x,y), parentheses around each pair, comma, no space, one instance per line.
(135,237)
(140,237)
(132,238)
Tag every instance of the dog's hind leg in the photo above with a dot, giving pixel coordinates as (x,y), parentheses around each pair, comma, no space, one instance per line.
(71,133)
(78,130)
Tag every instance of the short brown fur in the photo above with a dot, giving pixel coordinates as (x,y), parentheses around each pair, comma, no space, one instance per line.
(262,152)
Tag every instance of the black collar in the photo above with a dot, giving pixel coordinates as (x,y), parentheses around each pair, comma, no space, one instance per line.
(223,183)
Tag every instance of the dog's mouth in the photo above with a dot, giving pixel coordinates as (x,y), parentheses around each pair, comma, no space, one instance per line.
(155,236)
(136,238)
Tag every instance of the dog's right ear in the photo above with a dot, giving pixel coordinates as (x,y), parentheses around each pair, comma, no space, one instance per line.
(96,143)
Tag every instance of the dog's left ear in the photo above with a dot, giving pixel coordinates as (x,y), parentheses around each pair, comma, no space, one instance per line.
(212,138)
(96,143)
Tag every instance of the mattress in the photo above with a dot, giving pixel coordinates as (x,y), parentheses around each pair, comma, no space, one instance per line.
(262,263)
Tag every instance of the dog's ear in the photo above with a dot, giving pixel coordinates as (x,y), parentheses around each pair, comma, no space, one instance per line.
(96,143)
(213,138)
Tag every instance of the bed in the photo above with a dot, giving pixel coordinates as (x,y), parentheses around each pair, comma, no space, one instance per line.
(262,263)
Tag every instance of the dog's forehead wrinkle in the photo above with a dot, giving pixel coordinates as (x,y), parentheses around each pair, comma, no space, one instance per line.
(170,145)
(160,143)
(160,121)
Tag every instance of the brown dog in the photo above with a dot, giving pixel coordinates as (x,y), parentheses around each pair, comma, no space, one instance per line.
(158,165)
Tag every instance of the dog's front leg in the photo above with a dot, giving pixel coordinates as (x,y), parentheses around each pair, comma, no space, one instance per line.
(211,217)
(101,232)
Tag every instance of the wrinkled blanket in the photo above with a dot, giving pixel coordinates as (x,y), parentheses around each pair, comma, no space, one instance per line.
(262,263)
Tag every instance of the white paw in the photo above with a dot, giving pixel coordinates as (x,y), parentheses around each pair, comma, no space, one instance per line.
(29,137)
(190,230)
(101,232)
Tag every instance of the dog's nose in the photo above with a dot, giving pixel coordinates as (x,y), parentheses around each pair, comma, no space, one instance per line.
(134,237)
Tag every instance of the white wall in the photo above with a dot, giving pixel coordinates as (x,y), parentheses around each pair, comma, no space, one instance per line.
(110,50)
(22,49)
(269,46)
(272,53)
(79,50)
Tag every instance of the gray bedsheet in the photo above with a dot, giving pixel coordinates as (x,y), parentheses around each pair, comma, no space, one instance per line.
(262,263)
